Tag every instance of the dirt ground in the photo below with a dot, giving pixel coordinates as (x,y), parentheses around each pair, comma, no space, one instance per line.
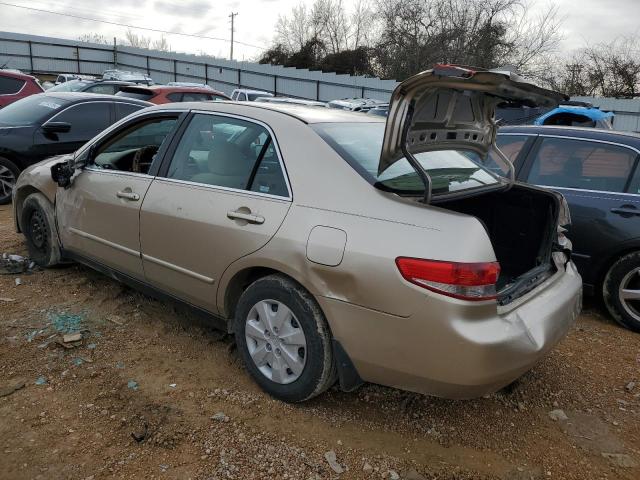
(153,392)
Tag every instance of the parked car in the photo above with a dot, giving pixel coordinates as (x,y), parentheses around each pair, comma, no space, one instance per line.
(67,77)
(295,101)
(355,104)
(159,94)
(379,110)
(247,95)
(597,172)
(105,87)
(15,85)
(127,76)
(577,114)
(308,233)
(48,124)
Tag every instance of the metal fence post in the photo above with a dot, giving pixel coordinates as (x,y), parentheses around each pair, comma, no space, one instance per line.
(148,69)
(115,53)
(31,56)
(275,85)
(78,58)
(362,92)
(318,90)
(206,74)
(239,78)
(175,70)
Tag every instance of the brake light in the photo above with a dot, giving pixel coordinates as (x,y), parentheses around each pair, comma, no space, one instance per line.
(467,281)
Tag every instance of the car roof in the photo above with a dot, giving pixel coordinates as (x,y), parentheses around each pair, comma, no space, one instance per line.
(304,113)
(248,90)
(173,88)
(73,97)
(18,75)
(583,132)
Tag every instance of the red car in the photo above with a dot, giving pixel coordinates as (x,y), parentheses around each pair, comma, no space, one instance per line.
(168,93)
(16,85)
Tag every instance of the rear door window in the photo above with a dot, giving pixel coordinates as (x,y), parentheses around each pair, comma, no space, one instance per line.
(228,152)
(140,94)
(10,86)
(104,89)
(175,96)
(583,164)
(195,97)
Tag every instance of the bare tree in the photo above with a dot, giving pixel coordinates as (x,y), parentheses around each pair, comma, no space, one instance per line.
(141,41)
(95,38)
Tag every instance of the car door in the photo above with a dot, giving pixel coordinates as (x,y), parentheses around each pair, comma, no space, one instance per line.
(98,216)
(593,176)
(221,194)
(86,120)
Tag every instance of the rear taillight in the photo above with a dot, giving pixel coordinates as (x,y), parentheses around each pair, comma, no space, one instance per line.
(467,281)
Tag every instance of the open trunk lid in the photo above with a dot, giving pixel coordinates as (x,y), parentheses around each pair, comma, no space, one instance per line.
(452,108)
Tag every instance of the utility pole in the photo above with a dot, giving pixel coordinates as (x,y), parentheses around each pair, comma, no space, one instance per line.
(232,16)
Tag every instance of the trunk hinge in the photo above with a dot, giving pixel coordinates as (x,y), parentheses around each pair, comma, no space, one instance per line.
(422,173)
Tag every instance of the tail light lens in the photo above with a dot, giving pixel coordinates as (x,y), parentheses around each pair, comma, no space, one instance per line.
(467,281)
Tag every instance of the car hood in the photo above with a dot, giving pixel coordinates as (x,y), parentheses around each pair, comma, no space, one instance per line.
(452,108)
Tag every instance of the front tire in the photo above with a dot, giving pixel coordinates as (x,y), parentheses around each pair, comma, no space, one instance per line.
(37,223)
(9,173)
(284,340)
(621,291)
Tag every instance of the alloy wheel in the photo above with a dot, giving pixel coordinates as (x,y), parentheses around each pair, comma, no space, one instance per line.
(7,181)
(275,341)
(629,293)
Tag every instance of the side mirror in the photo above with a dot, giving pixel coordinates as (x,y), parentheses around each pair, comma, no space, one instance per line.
(56,127)
(62,172)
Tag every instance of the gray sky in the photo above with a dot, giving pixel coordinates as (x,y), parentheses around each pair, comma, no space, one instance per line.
(590,21)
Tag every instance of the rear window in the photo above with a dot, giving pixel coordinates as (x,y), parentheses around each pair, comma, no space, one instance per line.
(253,96)
(70,86)
(139,93)
(360,145)
(10,86)
(31,110)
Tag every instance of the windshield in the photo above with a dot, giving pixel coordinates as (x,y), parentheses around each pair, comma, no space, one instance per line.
(360,145)
(30,110)
(72,86)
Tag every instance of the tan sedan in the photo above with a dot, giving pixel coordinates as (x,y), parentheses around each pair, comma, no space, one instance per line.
(334,246)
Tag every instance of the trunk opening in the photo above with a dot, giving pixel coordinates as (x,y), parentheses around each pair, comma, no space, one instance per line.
(522,225)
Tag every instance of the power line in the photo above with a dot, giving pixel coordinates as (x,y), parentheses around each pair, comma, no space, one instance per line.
(127,25)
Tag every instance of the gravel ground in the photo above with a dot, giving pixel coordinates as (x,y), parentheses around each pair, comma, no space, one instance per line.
(153,392)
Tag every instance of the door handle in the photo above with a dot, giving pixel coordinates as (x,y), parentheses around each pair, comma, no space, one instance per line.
(128,196)
(626,210)
(248,217)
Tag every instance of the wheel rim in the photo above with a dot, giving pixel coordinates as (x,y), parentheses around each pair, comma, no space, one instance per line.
(276,341)
(38,229)
(7,181)
(629,293)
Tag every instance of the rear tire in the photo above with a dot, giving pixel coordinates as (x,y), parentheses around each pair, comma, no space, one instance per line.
(621,291)
(9,173)
(293,361)
(38,224)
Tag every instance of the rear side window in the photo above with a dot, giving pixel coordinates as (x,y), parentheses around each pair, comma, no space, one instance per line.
(86,119)
(242,97)
(124,109)
(104,89)
(563,162)
(510,146)
(228,152)
(10,86)
(175,96)
(360,145)
(140,94)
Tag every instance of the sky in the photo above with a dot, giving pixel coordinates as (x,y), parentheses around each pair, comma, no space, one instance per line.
(585,21)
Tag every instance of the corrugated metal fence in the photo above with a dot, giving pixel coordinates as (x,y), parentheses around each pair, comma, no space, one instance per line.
(44,55)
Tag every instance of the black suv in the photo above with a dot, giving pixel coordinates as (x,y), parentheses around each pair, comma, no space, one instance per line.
(597,171)
(49,124)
